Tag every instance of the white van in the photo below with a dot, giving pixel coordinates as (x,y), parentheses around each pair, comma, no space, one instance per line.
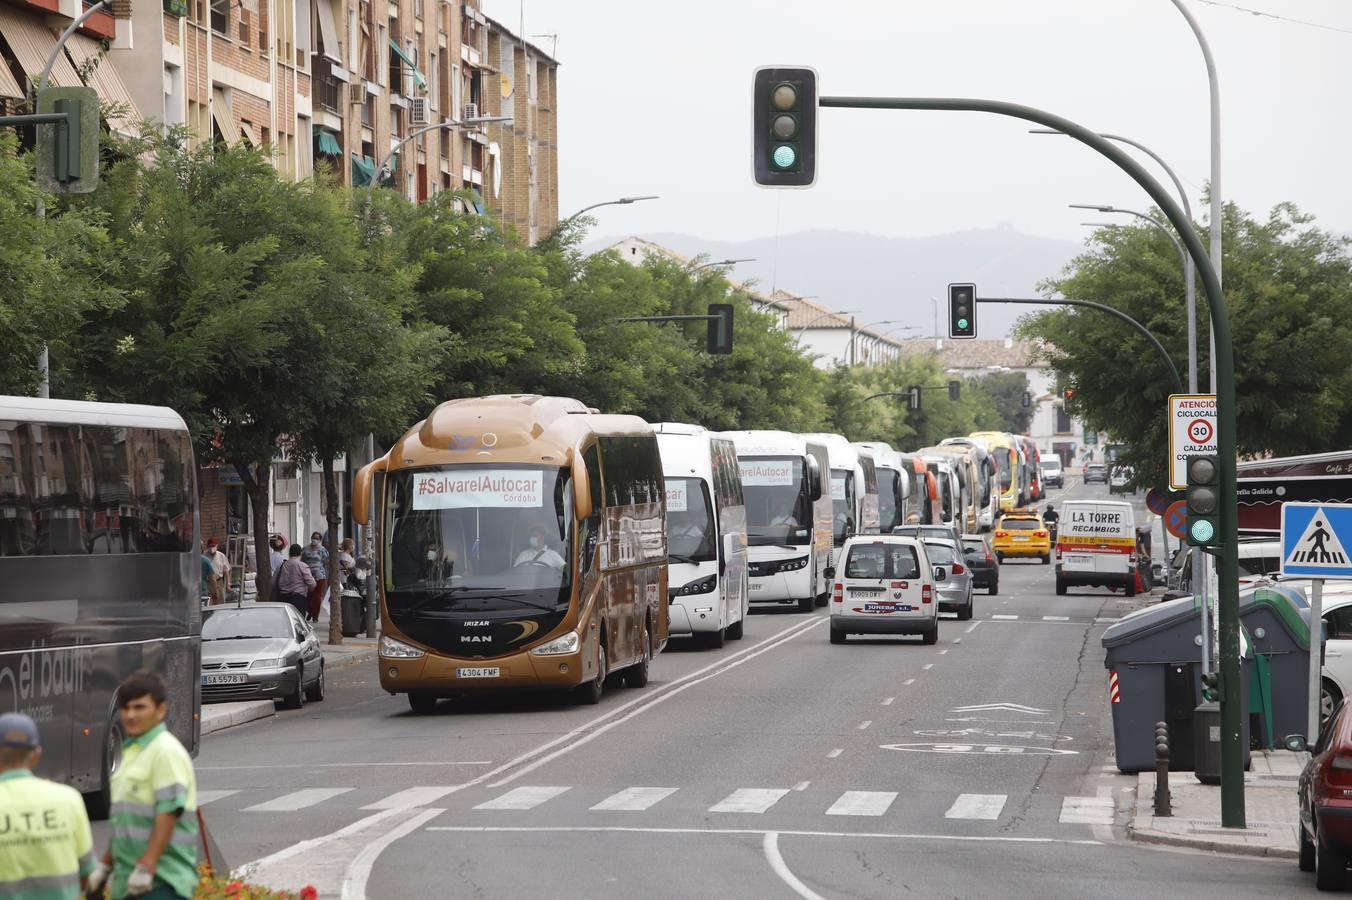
(1096,545)
(885,585)
(706,533)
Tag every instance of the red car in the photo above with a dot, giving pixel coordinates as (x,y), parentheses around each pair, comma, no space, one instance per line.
(1326,801)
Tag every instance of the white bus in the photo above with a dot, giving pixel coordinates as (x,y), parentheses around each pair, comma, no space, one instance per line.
(989,483)
(788,516)
(706,533)
(854,490)
(894,478)
(945,473)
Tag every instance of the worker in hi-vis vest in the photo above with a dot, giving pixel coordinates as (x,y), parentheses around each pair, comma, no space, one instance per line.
(46,849)
(153,853)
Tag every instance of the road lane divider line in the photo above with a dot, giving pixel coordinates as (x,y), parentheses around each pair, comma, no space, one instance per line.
(972,627)
(359,872)
(360,765)
(943,652)
(907,682)
(927,666)
(770,845)
(802,785)
(586,733)
(957,640)
(853,835)
(887,701)
(865,724)
(836,752)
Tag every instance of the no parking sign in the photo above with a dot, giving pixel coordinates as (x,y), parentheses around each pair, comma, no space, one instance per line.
(1192,432)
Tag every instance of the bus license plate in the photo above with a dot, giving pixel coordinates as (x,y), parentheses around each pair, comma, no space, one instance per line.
(483,672)
(224,679)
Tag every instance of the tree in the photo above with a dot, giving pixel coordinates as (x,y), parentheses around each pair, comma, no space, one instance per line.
(1288,290)
(1006,392)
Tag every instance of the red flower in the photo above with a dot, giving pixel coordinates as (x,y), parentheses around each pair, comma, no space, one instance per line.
(234,887)
(309,893)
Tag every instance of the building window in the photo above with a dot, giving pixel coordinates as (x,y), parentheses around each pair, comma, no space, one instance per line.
(434,80)
(1062,420)
(244,27)
(382,56)
(220,16)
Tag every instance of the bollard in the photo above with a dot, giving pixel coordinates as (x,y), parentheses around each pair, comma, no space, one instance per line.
(1162,796)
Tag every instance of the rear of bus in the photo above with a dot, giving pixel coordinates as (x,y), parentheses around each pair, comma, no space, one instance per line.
(788,516)
(522,545)
(893,484)
(706,533)
(1008,468)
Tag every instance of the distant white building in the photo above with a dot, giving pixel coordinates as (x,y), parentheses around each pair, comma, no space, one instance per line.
(1054,430)
(832,338)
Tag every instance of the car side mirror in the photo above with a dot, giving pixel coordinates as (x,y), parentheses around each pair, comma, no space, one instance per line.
(1296,743)
(940,573)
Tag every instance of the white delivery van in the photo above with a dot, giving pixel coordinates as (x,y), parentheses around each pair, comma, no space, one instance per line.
(1096,545)
(886,585)
(706,533)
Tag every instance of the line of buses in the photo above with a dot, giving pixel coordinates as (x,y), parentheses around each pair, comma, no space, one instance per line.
(533,542)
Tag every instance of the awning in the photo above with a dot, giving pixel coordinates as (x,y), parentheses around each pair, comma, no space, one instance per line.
(85,53)
(363,170)
(410,62)
(8,86)
(32,43)
(478,201)
(328,144)
(328,33)
(224,116)
(249,134)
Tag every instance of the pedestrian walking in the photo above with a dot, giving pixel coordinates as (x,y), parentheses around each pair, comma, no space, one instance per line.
(278,553)
(295,582)
(221,564)
(316,556)
(46,847)
(153,851)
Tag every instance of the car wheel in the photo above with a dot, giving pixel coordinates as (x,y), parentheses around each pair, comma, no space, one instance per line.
(993,589)
(931,636)
(315,692)
(590,693)
(1306,859)
(837,636)
(1046,558)
(1329,698)
(1130,588)
(1060,588)
(296,699)
(637,675)
(421,702)
(999,557)
(966,612)
(736,630)
(1330,866)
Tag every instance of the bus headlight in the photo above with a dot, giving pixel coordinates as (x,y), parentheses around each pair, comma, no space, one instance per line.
(398,649)
(702,586)
(557,647)
(793,565)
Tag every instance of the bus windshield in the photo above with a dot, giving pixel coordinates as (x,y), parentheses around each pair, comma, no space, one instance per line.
(691,533)
(478,538)
(842,505)
(777,508)
(1005,461)
(889,513)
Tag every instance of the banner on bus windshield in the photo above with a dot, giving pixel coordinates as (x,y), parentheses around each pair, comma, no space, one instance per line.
(838,487)
(676,496)
(479,489)
(767,473)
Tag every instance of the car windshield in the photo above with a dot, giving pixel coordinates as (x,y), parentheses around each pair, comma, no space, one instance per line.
(481,537)
(939,554)
(1020,524)
(974,546)
(777,507)
(691,533)
(882,560)
(240,622)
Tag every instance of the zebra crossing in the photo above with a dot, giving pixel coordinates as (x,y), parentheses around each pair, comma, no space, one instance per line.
(1074,810)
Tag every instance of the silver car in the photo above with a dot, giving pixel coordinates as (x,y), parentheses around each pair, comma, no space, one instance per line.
(955,588)
(260,650)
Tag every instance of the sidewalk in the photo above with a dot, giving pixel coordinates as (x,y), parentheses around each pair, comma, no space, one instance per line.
(1271,810)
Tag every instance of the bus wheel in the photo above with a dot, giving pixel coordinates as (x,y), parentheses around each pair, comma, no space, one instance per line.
(735,630)
(637,675)
(590,693)
(421,702)
(714,639)
(100,802)
(807,604)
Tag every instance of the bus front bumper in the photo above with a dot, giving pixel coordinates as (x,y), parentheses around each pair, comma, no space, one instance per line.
(446,676)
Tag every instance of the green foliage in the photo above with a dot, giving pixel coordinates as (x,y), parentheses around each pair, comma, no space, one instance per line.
(1006,391)
(1288,290)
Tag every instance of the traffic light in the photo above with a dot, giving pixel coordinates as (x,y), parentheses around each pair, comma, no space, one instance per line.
(962,311)
(720,328)
(784,126)
(1211,686)
(955,391)
(67,155)
(913,397)
(1027,400)
(1203,501)
(1070,393)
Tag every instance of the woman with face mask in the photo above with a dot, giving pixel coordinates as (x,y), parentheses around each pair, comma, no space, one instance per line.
(537,551)
(316,556)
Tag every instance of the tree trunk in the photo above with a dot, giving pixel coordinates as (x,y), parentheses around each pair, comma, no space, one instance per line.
(335,589)
(258,490)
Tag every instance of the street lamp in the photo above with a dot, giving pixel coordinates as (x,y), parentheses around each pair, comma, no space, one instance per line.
(722,262)
(880,336)
(854,332)
(382,170)
(621,201)
(826,315)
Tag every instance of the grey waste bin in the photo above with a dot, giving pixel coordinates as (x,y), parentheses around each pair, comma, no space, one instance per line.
(1153,657)
(354,613)
(1278,698)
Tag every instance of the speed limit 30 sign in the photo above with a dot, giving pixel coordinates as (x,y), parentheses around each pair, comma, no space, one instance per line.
(1192,432)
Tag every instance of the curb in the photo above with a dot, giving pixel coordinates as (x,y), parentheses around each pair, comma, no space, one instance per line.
(248,711)
(350,659)
(1174,840)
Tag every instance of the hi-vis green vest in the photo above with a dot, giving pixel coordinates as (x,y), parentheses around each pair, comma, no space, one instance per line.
(155,777)
(45,843)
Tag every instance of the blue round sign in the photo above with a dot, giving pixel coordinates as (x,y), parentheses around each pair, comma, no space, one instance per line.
(1176,519)
(1156,501)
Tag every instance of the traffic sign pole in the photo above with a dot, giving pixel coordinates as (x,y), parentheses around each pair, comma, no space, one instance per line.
(1316,682)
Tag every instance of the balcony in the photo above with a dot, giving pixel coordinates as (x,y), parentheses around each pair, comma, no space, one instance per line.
(328,90)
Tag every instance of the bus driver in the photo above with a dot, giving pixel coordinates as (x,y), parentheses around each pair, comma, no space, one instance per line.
(539,553)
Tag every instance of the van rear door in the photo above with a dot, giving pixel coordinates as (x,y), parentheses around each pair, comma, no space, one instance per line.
(1098,537)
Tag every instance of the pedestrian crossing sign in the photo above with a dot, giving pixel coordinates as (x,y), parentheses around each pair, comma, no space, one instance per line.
(1315,537)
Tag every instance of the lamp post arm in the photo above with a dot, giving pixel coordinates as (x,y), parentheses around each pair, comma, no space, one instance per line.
(61,42)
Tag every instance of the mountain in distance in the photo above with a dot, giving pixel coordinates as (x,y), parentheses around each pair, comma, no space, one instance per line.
(890,278)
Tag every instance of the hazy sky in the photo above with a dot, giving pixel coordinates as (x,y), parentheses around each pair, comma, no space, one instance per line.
(655,99)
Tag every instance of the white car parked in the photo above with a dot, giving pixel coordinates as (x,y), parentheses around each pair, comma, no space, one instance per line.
(1337,613)
(885,585)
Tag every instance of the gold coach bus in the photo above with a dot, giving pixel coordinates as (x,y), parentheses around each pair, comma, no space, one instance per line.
(521,544)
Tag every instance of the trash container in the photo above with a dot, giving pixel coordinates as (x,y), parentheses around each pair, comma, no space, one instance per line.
(1278,699)
(1153,657)
(354,613)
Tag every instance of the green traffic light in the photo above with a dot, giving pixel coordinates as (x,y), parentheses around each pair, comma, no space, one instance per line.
(1203,530)
(962,324)
(784,156)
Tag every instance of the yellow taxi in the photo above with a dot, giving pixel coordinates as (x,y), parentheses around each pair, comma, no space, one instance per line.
(1022,533)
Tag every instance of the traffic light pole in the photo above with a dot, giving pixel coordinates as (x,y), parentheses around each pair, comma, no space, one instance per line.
(1035,301)
(1232,750)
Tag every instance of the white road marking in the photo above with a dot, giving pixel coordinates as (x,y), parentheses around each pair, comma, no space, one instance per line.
(359,872)
(770,845)
(1003,617)
(749,800)
(297,800)
(526,797)
(927,666)
(1056,618)
(943,651)
(836,752)
(205,797)
(972,627)
(414,797)
(853,835)
(908,681)
(887,701)
(957,640)
(865,724)
(862,803)
(273,868)
(802,786)
(634,799)
(360,765)
(977,806)
(1087,811)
